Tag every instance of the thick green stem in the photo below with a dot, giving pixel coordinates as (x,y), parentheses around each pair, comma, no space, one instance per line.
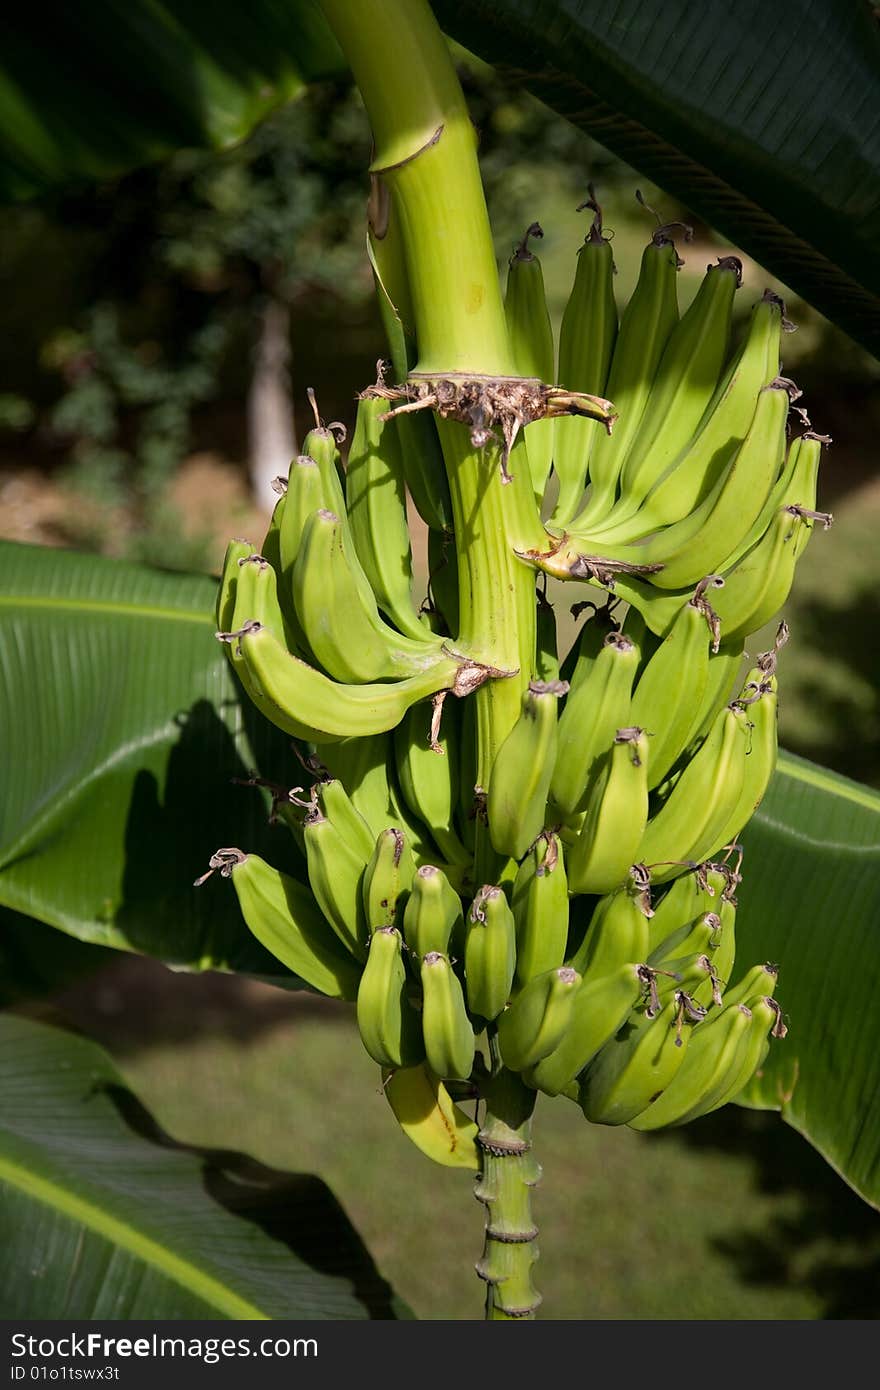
(509,1172)
(425,150)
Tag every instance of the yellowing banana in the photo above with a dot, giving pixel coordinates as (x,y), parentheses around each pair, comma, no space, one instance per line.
(429,1117)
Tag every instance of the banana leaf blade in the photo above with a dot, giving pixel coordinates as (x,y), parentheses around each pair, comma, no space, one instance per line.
(108,86)
(810,901)
(104,1216)
(763,119)
(122,733)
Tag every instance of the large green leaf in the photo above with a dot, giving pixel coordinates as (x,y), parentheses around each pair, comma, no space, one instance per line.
(763,118)
(108,86)
(103,1216)
(810,900)
(122,730)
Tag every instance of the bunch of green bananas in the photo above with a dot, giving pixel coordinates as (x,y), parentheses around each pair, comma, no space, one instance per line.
(597,964)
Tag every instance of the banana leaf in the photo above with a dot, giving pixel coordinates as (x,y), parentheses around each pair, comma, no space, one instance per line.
(763,119)
(810,901)
(104,1216)
(127,728)
(122,735)
(108,86)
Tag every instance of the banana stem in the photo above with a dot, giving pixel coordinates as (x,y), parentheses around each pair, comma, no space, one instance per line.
(425,152)
(425,159)
(425,156)
(508,1174)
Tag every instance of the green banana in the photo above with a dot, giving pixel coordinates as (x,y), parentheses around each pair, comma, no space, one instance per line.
(270,548)
(702,540)
(716,1052)
(256,596)
(669,691)
(375,498)
(248,589)
(721,685)
(596,707)
(450,1045)
(711,934)
(757,586)
(759,571)
(389,1026)
(540,908)
(332,801)
(322,445)
(531,341)
(695,974)
(645,327)
(427,760)
(586,342)
(691,823)
(617,932)
(704,888)
(361,765)
(336,864)
(760,760)
(346,635)
(759,980)
(767,1022)
(306,494)
(429,1117)
(433,919)
(387,879)
(309,705)
(701,936)
(227,590)
(536,1021)
(689,478)
(520,777)
(599,1009)
(616,817)
(282,915)
(489,953)
(635,1067)
(686,380)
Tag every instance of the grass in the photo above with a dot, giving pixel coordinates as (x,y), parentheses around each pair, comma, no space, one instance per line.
(733,1217)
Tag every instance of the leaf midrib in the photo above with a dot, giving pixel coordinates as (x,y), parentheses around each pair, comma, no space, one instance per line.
(121,1233)
(814,776)
(117,608)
